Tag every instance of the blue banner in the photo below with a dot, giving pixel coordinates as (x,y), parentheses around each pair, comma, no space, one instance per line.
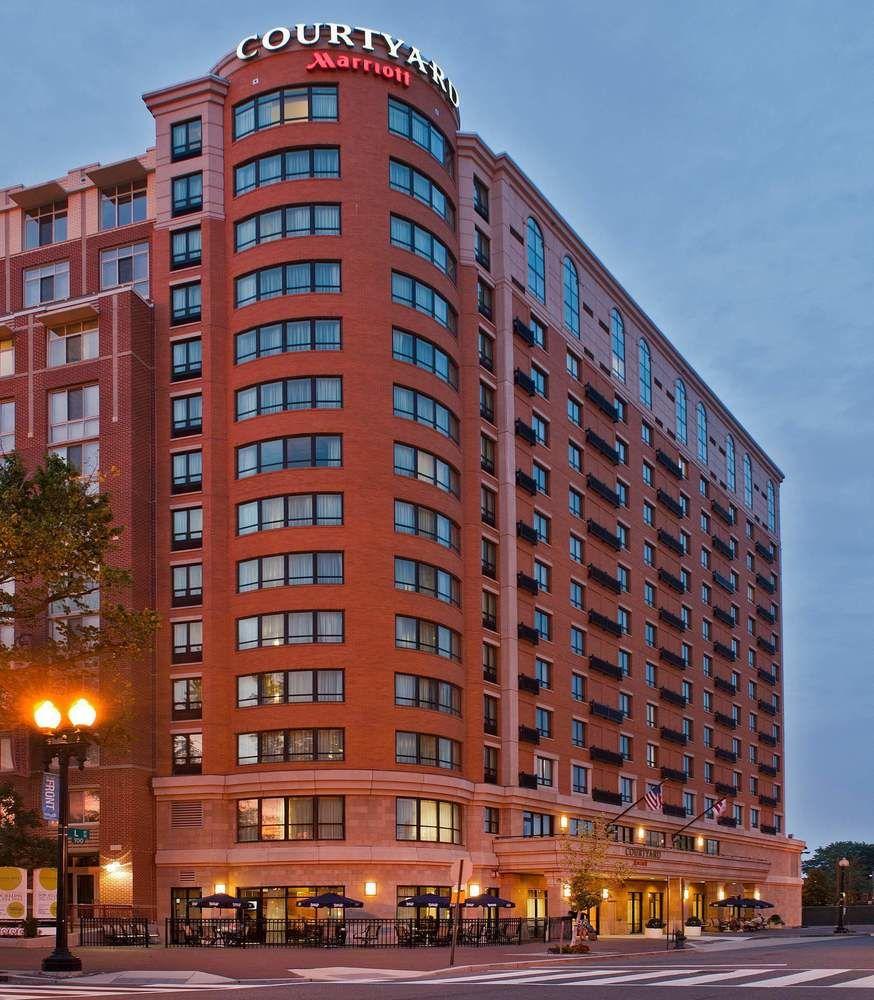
(49,797)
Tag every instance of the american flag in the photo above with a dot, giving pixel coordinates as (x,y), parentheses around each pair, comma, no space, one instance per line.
(653,798)
(719,807)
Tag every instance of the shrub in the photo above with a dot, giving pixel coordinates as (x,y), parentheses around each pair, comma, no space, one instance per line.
(655,923)
(570,949)
(775,920)
(694,922)
(30,926)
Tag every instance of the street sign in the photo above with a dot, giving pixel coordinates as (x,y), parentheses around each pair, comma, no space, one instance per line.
(78,835)
(50,799)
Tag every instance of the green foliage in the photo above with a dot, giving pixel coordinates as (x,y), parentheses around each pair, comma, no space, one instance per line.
(590,865)
(21,843)
(820,871)
(694,922)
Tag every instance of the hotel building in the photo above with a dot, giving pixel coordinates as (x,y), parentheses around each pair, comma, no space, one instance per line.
(453,550)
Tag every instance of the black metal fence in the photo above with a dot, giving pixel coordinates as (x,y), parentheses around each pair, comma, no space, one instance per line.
(258,932)
(113,932)
(823,916)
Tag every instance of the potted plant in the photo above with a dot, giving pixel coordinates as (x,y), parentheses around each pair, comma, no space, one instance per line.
(654,928)
(775,920)
(693,927)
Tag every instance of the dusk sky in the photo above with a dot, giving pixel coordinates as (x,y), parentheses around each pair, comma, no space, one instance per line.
(717,157)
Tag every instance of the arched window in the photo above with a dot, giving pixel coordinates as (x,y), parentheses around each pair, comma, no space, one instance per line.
(536,262)
(571,285)
(644,363)
(748,481)
(702,431)
(680,412)
(730,476)
(772,507)
(617,341)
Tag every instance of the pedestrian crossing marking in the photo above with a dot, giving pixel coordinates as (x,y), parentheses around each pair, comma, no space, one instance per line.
(796,979)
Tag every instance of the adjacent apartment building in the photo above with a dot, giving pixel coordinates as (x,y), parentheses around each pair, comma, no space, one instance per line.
(453,551)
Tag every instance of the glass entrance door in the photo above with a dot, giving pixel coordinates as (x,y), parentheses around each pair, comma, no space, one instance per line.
(635,913)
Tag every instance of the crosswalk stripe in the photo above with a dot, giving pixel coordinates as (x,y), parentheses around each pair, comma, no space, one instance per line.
(865,983)
(711,977)
(633,978)
(525,977)
(807,976)
(537,975)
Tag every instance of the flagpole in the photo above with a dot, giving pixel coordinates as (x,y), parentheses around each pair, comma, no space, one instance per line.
(695,820)
(611,826)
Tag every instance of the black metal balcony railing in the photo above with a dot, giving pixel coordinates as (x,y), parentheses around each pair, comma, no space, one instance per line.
(673,774)
(526,582)
(723,548)
(766,614)
(723,581)
(721,684)
(603,534)
(726,652)
(770,830)
(528,634)
(727,821)
(487,412)
(526,532)
(765,583)
(767,769)
(523,330)
(768,800)
(674,582)
(672,542)
(767,677)
(490,775)
(525,382)
(605,623)
(490,621)
(605,667)
(673,736)
(486,362)
(490,675)
(767,646)
(605,795)
(666,462)
(727,755)
(601,401)
(668,809)
(767,707)
(528,683)
(490,727)
(599,444)
(489,569)
(526,482)
(487,516)
(675,621)
(603,490)
(723,513)
(606,756)
(721,719)
(726,617)
(674,697)
(723,789)
(765,552)
(487,464)
(527,780)
(666,656)
(604,578)
(528,734)
(767,739)
(667,501)
(525,432)
(606,712)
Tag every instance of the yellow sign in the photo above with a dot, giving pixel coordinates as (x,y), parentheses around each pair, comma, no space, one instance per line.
(45,890)
(13,893)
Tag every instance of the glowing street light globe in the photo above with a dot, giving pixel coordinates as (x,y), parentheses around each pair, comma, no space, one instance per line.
(82,713)
(46,715)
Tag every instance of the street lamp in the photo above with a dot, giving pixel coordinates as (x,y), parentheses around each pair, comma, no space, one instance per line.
(64,742)
(843,865)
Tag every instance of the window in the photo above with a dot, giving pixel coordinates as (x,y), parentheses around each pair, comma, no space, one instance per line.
(575,548)
(648,513)
(772,507)
(7,357)
(293,569)
(186,528)
(320,393)
(290,687)
(423,578)
(186,415)
(484,299)
(414,519)
(423,409)
(544,769)
(292,745)
(540,475)
(701,415)
(66,345)
(652,755)
(292,511)
(289,337)
(422,353)
(187,193)
(575,456)
(649,634)
(730,475)
(412,182)
(122,205)
(617,343)
(480,198)
(185,303)
(648,554)
(543,623)
(287,223)
(410,124)
(680,426)
(290,165)
(578,687)
(428,820)
(537,824)
(748,481)
(415,463)
(74,413)
(290,628)
(293,104)
(578,640)
(649,594)
(186,359)
(186,139)
(45,225)
(482,248)
(427,750)
(187,641)
(576,595)
(46,284)
(412,691)
(186,471)
(536,261)
(408,291)
(578,733)
(297,818)
(645,373)
(298,278)
(301,452)
(651,675)
(185,248)
(542,525)
(543,575)
(486,350)
(543,672)
(491,820)
(427,637)
(652,716)
(187,751)
(408,235)
(84,458)
(543,722)
(490,711)
(187,585)
(571,288)
(126,265)
(646,433)
(626,790)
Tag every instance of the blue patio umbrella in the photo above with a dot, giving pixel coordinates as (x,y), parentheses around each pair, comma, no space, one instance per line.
(488,901)
(425,899)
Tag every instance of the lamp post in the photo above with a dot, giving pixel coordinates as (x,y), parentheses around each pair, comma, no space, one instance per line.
(843,865)
(64,742)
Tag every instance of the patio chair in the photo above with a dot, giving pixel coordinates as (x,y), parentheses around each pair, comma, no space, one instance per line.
(368,937)
(404,934)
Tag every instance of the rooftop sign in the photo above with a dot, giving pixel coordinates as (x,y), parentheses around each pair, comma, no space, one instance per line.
(342,36)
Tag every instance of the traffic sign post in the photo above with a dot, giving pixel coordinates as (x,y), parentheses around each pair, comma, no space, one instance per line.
(78,835)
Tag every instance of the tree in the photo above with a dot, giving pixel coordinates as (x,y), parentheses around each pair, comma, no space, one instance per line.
(21,845)
(589,865)
(820,871)
(818,889)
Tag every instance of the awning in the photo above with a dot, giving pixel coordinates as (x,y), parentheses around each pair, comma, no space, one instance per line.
(38,195)
(73,312)
(117,173)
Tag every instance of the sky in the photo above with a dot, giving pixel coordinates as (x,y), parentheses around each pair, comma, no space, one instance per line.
(717,157)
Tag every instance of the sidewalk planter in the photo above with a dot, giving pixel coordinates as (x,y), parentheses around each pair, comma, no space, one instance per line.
(691,932)
(654,932)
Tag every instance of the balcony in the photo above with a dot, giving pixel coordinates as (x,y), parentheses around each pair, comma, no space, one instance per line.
(528,734)
(766,707)
(603,795)
(605,667)
(727,755)
(525,432)
(768,647)
(490,727)
(603,534)
(765,614)
(603,577)
(765,583)
(768,678)
(672,774)
(723,513)
(672,542)
(723,548)
(525,382)
(671,810)
(487,412)
(605,623)
(666,656)
(767,739)
(674,582)
(487,464)
(601,401)
(723,581)
(490,675)
(606,712)
(724,789)
(721,719)
(727,821)
(768,800)
(606,756)
(529,684)
(490,776)
(666,462)
(490,621)
(668,502)
(487,516)
(673,736)
(527,633)
(526,482)
(726,617)
(671,619)
(772,831)
(771,772)
(603,490)
(526,582)
(527,533)
(489,569)
(765,551)
(523,330)
(599,444)
(486,362)
(726,652)
(673,697)
(527,780)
